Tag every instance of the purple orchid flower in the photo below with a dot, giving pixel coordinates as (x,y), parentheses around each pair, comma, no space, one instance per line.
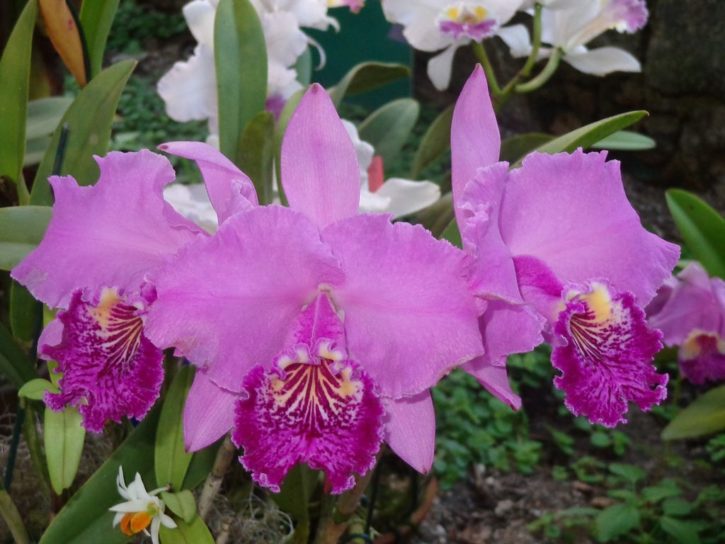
(690,311)
(317,332)
(94,263)
(558,235)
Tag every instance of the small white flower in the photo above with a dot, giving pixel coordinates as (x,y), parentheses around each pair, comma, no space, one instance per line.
(435,25)
(142,511)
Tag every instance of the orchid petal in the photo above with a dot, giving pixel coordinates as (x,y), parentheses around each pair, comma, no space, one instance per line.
(230,190)
(410,430)
(475,139)
(320,173)
(188,89)
(108,235)
(603,61)
(407,322)
(407,196)
(208,413)
(517,38)
(440,67)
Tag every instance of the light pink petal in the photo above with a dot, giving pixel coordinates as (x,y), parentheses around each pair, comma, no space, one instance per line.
(208,413)
(410,430)
(409,313)
(109,235)
(230,190)
(320,173)
(229,302)
(475,139)
(478,215)
(506,329)
(570,211)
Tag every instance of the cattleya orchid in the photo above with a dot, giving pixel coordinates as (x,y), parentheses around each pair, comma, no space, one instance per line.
(317,332)
(569,25)
(435,25)
(95,264)
(690,311)
(142,511)
(557,235)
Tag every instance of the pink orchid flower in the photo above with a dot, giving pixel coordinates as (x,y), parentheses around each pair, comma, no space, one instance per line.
(95,264)
(317,331)
(558,236)
(690,311)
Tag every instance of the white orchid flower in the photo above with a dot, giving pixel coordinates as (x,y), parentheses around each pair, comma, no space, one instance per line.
(435,25)
(570,24)
(142,511)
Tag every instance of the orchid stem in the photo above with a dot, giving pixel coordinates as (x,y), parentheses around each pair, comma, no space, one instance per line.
(545,75)
(213,483)
(482,56)
(536,43)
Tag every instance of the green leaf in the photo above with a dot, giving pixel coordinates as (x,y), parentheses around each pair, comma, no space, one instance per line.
(200,466)
(367,76)
(389,127)
(704,416)
(241,71)
(626,140)
(96,20)
(588,135)
(21,229)
(666,488)
(294,497)
(14,82)
(13,519)
(256,154)
(35,150)
(85,519)
(26,313)
(35,389)
(303,67)
(88,127)
(702,228)
(14,364)
(677,506)
(435,142)
(615,521)
(63,436)
(170,459)
(195,532)
(44,115)
(452,234)
(182,504)
(517,147)
(629,473)
(682,531)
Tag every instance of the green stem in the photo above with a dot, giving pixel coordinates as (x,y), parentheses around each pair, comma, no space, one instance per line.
(33,441)
(482,56)
(543,76)
(10,514)
(536,44)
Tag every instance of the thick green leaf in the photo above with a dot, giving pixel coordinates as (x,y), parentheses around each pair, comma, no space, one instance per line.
(44,115)
(85,519)
(615,521)
(303,67)
(389,127)
(702,228)
(26,314)
(683,532)
(96,21)
(435,142)
(200,466)
(14,78)
(35,389)
(452,234)
(21,229)
(294,497)
(14,364)
(241,71)
(517,147)
(63,435)
(588,135)
(256,154)
(182,504)
(367,76)
(170,459)
(704,416)
(88,127)
(195,532)
(626,140)
(13,520)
